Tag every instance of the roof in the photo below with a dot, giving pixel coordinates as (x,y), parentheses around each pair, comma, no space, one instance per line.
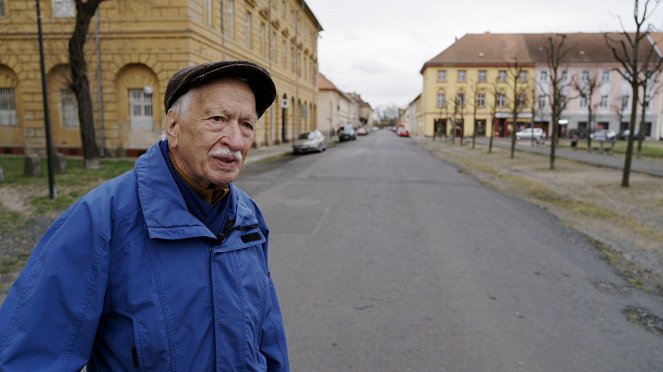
(325,84)
(357,98)
(487,49)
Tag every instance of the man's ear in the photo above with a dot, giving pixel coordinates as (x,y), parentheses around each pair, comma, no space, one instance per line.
(172,124)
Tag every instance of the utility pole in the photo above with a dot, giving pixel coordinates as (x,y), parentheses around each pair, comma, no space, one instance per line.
(52,191)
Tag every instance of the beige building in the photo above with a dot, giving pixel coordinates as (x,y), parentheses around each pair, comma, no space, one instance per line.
(132,50)
(335,108)
(474,81)
(365,109)
(411,119)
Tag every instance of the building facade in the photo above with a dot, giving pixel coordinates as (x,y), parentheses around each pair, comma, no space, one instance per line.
(133,48)
(491,79)
(335,108)
(365,110)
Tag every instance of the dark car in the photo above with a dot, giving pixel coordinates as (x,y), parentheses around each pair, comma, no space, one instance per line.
(347,133)
(312,141)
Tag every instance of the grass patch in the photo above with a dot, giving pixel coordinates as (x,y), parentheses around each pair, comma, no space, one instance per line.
(70,185)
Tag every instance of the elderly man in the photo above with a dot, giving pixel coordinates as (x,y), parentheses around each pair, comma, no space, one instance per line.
(165,267)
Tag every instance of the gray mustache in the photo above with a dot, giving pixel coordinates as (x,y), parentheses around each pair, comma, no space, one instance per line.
(225,151)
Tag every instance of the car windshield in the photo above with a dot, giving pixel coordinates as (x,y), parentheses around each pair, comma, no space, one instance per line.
(307,135)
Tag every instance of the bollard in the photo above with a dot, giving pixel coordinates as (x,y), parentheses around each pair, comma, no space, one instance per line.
(2,174)
(32,166)
(60,163)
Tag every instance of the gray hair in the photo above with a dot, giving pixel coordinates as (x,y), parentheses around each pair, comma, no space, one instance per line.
(182,105)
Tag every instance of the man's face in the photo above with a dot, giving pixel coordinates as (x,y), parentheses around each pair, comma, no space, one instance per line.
(221,117)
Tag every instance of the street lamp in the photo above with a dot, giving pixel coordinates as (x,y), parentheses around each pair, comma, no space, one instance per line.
(52,192)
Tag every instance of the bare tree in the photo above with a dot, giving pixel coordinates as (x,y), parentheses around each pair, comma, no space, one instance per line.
(518,84)
(586,86)
(387,115)
(626,49)
(80,84)
(442,106)
(474,89)
(534,108)
(494,92)
(556,54)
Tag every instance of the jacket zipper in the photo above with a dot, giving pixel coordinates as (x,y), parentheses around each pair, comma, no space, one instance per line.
(227,229)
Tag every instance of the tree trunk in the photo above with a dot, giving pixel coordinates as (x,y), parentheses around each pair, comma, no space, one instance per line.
(80,82)
(629,146)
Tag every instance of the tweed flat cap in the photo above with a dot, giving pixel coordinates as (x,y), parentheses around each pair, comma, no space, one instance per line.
(257,78)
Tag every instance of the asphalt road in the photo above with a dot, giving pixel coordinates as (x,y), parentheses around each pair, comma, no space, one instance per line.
(387,259)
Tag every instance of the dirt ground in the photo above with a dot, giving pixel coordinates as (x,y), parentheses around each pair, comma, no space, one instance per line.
(625,223)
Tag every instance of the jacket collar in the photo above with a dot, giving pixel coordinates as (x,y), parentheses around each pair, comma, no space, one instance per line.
(164,209)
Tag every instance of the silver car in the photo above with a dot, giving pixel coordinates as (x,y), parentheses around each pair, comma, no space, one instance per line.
(313,141)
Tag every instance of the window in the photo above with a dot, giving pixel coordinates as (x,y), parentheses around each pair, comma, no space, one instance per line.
(247,32)
(460,100)
(565,75)
(522,76)
(625,99)
(140,109)
(543,75)
(63,8)
(481,100)
(585,75)
(68,109)
(461,75)
(606,75)
(8,107)
(647,99)
(482,75)
(604,101)
(542,101)
(522,100)
(501,100)
(583,101)
(272,47)
(262,36)
(501,76)
(441,75)
(2,8)
(293,59)
(208,11)
(231,19)
(284,54)
(441,102)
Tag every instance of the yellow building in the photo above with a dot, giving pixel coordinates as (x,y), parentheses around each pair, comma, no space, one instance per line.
(476,79)
(134,47)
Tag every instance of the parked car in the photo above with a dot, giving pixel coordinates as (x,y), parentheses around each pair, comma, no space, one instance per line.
(347,132)
(362,131)
(313,141)
(603,135)
(529,133)
(402,132)
(624,135)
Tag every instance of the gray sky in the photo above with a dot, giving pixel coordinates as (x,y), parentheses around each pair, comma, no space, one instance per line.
(377,47)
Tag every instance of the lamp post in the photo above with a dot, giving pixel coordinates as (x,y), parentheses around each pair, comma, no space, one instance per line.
(52,191)
(284,108)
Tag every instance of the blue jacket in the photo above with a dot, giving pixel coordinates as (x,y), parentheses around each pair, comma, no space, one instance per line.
(128,279)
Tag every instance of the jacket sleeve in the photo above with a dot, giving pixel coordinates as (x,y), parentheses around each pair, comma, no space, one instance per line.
(49,318)
(273,344)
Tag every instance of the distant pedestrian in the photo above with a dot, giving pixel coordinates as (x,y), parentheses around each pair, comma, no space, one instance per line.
(165,267)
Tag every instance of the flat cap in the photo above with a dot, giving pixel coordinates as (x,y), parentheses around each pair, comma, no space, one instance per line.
(256,77)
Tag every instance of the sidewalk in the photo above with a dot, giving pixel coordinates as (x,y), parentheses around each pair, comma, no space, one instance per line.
(265,152)
(652,167)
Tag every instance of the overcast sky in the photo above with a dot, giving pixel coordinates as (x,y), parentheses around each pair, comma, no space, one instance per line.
(377,47)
